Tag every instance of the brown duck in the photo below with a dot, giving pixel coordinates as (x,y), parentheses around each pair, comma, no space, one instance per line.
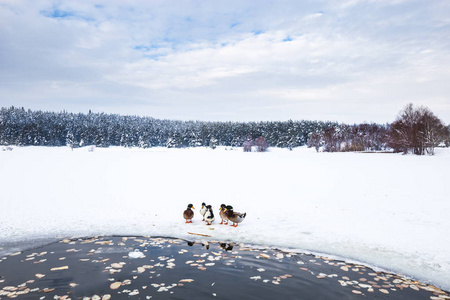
(189,213)
(234,217)
(223,214)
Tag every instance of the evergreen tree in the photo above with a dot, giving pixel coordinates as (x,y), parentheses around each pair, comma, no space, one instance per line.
(70,140)
(25,127)
(213,142)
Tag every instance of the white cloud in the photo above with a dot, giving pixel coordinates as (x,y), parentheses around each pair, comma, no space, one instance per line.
(236,60)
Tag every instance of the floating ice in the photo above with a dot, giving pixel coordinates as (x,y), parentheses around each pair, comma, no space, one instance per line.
(136,254)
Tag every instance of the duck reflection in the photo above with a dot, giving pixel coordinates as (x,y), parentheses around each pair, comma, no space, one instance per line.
(223,245)
(227,247)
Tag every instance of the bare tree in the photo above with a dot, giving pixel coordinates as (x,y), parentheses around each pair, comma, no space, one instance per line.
(261,144)
(416,130)
(332,138)
(315,140)
(447,136)
(431,130)
(248,143)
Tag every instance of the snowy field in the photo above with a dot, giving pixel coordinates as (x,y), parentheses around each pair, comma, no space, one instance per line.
(389,211)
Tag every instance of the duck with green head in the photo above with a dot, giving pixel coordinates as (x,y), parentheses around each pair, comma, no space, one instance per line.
(234,217)
(188,214)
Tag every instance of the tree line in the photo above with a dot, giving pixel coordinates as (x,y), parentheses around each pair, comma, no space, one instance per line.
(37,128)
(415,130)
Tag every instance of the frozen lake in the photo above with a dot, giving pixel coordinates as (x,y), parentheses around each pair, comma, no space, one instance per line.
(389,211)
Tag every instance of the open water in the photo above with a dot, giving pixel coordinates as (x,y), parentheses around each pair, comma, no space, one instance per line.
(165,268)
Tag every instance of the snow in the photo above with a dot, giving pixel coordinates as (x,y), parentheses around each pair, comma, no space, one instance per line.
(136,254)
(389,211)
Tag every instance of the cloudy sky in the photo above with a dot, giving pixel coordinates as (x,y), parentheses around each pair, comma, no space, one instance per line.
(245,60)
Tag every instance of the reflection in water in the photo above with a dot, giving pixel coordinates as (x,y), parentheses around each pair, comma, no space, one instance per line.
(206,245)
(227,247)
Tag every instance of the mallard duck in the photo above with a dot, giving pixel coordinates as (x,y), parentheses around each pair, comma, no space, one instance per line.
(234,217)
(223,214)
(189,213)
(209,215)
(203,210)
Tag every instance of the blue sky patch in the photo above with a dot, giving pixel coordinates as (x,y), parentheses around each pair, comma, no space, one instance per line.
(57,13)
(145,50)
(64,14)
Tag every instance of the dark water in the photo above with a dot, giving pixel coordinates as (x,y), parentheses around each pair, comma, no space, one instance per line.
(162,268)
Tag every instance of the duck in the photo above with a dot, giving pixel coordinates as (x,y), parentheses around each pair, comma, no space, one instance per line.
(209,215)
(234,217)
(223,214)
(188,214)
(203,210)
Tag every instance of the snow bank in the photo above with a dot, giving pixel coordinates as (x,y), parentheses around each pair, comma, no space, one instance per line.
(386,210)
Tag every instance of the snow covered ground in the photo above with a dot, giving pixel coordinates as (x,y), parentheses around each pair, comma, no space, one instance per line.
(390,211)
